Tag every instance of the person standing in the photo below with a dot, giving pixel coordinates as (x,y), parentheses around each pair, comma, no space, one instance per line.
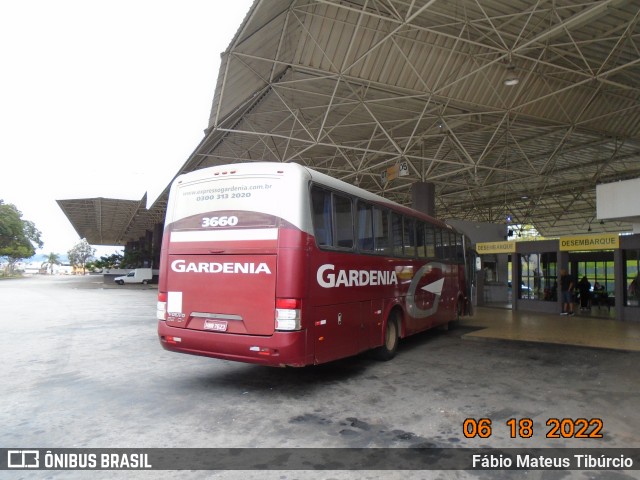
(584,286)
(566,291)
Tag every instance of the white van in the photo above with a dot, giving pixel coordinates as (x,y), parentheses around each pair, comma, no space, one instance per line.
(139,275)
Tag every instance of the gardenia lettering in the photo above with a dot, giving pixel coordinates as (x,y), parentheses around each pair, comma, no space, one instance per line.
(329,278)
(182,266)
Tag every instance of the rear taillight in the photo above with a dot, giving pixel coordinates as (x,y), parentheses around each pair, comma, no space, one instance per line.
(161,309)
(288,314)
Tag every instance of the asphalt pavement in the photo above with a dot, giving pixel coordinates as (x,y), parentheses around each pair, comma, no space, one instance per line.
(84,369)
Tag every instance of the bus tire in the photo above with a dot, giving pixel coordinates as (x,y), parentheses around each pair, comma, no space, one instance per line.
(389,348)
(144,282)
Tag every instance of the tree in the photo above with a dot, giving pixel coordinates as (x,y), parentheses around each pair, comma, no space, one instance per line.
(80,254)
(18,238)
(52,259)
(106,261)
(135,258)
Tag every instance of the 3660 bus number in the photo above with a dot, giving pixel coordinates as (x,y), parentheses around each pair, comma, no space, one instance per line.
(219,221)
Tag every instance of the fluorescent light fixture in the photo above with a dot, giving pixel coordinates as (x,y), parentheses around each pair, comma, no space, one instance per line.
(510,82)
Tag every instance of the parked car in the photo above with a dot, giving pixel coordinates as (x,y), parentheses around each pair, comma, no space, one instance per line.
(525,292)
(139,275)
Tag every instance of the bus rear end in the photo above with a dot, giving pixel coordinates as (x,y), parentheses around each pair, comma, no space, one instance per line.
(232,264)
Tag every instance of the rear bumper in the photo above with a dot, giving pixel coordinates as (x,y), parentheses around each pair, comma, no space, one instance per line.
(279,349)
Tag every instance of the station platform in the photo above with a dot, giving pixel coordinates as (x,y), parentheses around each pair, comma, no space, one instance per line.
(507,325)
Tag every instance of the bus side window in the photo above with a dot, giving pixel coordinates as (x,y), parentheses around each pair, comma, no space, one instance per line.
(421,243)
(430,240)
(438,243)
(381,230)
(365,227)
(322,224)
(452,247)
(343,218)
(446,245)
(396,234)
(409,236)
(459,249)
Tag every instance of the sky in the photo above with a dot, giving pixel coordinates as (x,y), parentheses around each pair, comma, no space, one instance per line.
(103,99)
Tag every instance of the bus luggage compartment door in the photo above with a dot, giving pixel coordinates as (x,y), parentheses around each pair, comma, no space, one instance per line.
(338,331)
(222,293)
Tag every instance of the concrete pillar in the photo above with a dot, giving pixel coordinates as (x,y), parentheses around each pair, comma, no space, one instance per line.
(563,264)
(423,198)
(515,280)
(158,230)
(147,247)
(620,285)
(129,247)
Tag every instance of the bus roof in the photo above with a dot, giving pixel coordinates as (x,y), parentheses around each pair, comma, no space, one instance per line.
(314,176)
(343,186)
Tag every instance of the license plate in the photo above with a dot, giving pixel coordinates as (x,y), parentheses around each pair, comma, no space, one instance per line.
(215,325)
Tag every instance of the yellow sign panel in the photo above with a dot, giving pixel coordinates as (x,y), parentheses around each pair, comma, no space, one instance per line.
(392,173)
(495,247)
(601,241)
(395,171)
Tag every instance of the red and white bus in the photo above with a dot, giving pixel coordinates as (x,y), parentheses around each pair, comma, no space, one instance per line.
(277,264)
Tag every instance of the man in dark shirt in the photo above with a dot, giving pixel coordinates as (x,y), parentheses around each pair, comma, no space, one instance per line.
(566,289)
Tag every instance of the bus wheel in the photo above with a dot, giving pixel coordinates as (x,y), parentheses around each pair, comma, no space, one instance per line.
(391,335)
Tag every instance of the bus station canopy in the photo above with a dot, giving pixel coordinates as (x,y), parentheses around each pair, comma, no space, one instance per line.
(511,109)
(110,221)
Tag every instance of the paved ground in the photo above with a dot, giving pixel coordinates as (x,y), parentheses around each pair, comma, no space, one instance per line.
(83,368)
(578,331)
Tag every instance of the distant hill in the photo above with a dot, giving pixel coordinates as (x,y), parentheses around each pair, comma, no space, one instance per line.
(41,257)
